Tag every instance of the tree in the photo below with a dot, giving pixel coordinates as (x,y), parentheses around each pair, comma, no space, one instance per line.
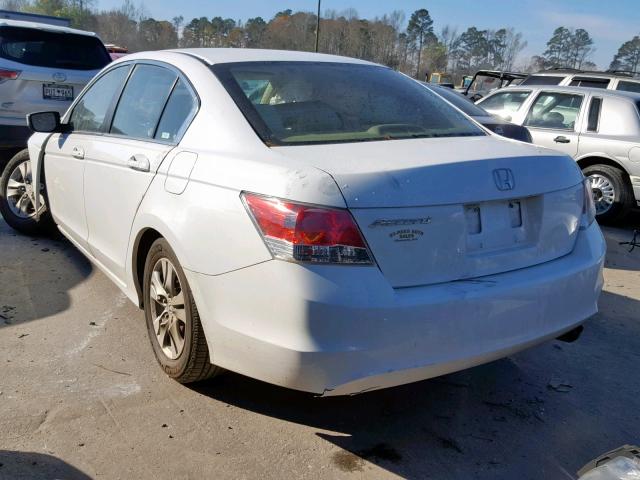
(420,26)
(628,56)
(254,31)
(580,48)
(568,49)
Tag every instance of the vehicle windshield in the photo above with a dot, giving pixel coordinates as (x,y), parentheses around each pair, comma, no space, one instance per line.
(52,49)
(461,102)
(302,103)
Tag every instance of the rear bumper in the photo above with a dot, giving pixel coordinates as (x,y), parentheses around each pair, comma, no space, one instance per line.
(344,330)
(14,136)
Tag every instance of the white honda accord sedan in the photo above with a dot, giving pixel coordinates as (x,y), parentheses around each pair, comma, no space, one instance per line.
(317,222)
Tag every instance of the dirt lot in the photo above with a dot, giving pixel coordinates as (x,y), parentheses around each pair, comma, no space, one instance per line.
(81,395)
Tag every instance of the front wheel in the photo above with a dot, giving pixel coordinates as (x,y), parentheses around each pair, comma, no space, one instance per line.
(173,323)
(17,197)
(612,193)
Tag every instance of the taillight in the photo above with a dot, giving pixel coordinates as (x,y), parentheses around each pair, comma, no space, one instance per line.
(307,233)
(589,206)
(9,74)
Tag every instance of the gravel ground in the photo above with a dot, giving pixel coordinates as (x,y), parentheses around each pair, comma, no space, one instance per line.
(81,395)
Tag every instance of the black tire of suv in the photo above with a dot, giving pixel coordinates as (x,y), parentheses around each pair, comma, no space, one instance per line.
(28,226)
(194,362)
(624,198)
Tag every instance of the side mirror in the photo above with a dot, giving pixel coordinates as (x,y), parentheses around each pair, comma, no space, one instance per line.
(45,122)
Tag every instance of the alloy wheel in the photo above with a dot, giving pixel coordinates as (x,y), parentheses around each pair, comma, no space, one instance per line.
(168,308)
(20,192)
(604,192)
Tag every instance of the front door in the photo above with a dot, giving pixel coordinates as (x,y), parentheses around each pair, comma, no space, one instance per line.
(65,154)
(553,121)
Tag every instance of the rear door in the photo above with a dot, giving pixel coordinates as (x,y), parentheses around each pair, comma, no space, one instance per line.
(65,154)
(121,164)
(46,70)
(553,120)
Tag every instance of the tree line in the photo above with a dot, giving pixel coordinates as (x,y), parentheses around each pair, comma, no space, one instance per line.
(410,45)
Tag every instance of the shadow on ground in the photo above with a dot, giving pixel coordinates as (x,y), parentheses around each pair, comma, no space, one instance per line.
(543,413)
(30,289)
(36,466)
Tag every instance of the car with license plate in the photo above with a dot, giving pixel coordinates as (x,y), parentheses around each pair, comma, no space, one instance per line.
(42,67)
(599,128)
(317,222)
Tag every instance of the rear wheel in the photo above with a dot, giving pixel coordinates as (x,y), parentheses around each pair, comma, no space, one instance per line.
(17,197)
(173,322)
(612,193)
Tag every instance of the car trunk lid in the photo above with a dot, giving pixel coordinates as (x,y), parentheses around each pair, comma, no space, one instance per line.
(439,210)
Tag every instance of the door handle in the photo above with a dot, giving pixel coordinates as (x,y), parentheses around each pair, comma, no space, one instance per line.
(139,163)
(77,152)
(561,139)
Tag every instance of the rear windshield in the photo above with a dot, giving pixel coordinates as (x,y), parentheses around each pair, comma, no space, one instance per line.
(461,102)
(51,49)
(541,80)
(301,103)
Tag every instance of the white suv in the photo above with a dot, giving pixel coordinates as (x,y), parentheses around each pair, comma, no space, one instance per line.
(610,80)
(42,67)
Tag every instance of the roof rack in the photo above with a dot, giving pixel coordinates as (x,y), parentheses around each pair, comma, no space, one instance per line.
(626,73)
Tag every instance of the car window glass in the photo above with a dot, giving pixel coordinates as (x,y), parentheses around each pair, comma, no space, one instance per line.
(542,80)
(295,103)
(89,113)
(629,86)
(590,82)
(142,101)
(594,114)
(179,109)
(505,103)
(554,110)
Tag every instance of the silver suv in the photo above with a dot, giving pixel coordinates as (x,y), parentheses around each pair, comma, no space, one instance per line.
(611,80)
(42,67)
(599,128)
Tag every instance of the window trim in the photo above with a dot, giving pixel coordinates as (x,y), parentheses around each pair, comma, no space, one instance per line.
(131,64)
(544,92)
(597,129)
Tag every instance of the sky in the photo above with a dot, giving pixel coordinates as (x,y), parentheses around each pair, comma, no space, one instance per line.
(610,22)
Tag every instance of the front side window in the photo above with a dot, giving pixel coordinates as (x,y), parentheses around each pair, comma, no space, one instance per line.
(296,103)
(142,101)
(542,80)
(43,48)
(505,103)
(90,112)
(629,86)
(554,110)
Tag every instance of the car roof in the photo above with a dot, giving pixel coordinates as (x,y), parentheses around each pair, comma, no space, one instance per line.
(601,92)
(232,55)
(585,73)
(5,22)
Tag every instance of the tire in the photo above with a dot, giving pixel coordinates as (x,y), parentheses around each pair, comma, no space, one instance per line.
(16,198)
(613,194)
(176,334)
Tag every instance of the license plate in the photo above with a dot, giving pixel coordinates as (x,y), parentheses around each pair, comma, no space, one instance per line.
(57,92)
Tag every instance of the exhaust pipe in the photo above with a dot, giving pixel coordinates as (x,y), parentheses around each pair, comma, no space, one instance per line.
(571,335)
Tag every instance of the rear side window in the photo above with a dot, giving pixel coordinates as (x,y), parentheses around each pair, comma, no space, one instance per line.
(542,80)
(590,82)
(180,109)
(554,110)
(505,103)
(629,86)
(40,48)
(594,114)
(143,101)
(91,110)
